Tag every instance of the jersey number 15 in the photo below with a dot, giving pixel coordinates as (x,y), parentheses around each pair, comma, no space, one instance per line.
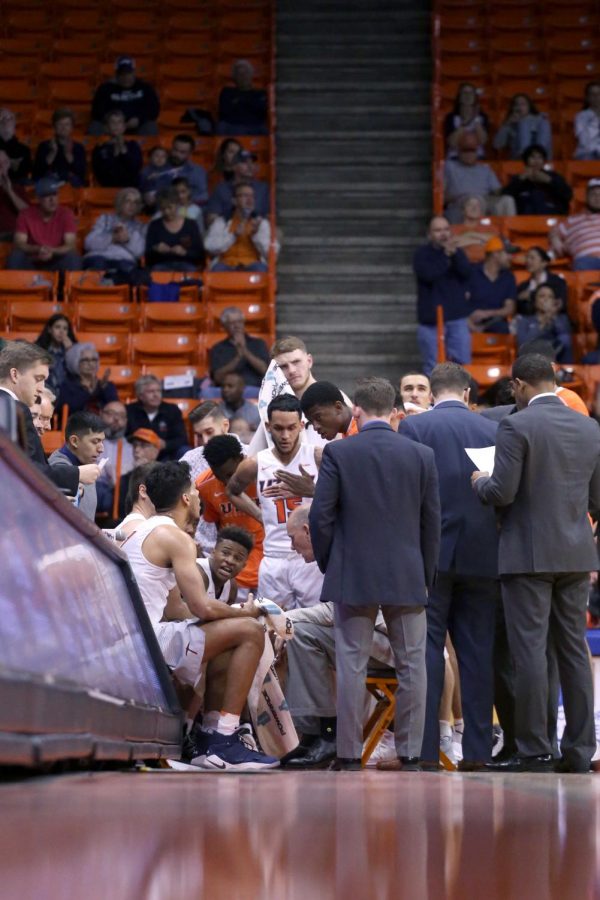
(286,506)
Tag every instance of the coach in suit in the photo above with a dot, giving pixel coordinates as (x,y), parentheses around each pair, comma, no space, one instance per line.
(375,528)
(463,601)
(546,477)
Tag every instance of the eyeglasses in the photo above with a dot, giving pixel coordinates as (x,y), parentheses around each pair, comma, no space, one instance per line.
(89,359)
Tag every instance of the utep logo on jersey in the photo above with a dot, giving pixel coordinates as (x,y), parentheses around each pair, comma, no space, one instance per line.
(225,508)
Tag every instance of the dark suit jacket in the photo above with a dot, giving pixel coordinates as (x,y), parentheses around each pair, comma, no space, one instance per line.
(375,519)
(546,477)
(63,477)
(469,543)
(497,413)
(168,425)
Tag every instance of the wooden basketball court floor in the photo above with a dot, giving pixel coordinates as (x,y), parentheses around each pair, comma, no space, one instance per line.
(300,836)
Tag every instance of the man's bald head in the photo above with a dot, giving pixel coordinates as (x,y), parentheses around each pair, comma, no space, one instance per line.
(299,532)
(439,231)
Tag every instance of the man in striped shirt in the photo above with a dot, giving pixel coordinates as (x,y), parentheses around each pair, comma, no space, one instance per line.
(579,236)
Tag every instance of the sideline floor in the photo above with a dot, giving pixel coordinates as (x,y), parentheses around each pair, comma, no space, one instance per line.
(300,836)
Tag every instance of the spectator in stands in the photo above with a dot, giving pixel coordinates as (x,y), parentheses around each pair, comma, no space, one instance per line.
(243,108)
(579,236)
(61,157)
(241,429)
(83,447)
(523,126)
(464,176)
(227,152)
(151,412)
(239,352)
(442,271)
(221,200)
(82,389)
(466,117)
(587,124)
(117,240)
(187,208)
(45,234)
(546,324)
(416,389)
(158,165)
(56,337)
(42,411)
(18,153)
(538,191)
(473,233)
(234,404)
(114,417)
(136,99)
(173,243)
(493,290)
(536,263)
(180,165)
(12,200)
(145,446)
(241,240)
(117,162)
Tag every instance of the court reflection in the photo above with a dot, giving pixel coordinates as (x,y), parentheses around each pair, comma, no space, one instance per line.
(301,835)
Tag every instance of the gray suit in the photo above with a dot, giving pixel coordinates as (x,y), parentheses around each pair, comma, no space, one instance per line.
(546,477)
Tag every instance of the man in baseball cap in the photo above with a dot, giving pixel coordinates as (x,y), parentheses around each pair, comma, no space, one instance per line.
(136,99)
(145,444)
(493,289)
(45,233)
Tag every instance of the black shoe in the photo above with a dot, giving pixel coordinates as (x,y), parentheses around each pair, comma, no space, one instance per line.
(544,763)
(564,767)
(410,763)
(471,765)
(343,764)
(504,754)
(301,750)
(318,756)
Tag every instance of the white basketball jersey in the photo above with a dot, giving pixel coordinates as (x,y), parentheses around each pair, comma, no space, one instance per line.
(211,591)
(275,512)
(154,582)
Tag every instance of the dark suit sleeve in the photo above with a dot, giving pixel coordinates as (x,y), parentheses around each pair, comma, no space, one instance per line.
(176,437)
(431,522)
(500,489)
(594,502)
(61,476)
(323,512)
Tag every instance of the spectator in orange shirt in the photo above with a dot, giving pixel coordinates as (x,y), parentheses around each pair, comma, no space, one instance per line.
(223,454)
(241,242)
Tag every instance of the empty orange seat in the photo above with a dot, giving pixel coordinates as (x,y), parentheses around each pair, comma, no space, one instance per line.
(91,315)
(86,286)
(180,317)
(18,93)
(162,347)
(95,200)
(185,404)
(24,47)
(164,370)
(501,45)
(112,346)
(487,374)
(124,378)
(461,45)
(85,46)
(76,69)
(574,67)
(32,285)
(136,47)
(579,172)
(71,92)
(186,93)
(26,315)
(529,231)
(492,348)
(52,440)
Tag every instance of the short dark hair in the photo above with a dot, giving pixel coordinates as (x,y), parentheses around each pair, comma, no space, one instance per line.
(540,252)
(184,139)
(137,477)
(533,369)
(242,184)
(220,449)
(321,393)
(206,409)
(238,535)
(284,403)
(167,482)
(533,148)
(21,355)
(114,112)
(415,371)
(83,422)
(374,395)
(167,195)
(540,347)
(63,113)
(449,376)
(181,179)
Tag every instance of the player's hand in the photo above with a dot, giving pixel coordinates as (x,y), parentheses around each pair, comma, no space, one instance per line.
(302,485)
(477,474)
(278,492)
(89,474)
(250,607)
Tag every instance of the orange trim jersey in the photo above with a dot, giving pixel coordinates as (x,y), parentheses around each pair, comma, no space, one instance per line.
(218,508)
(572,400)
(352,428)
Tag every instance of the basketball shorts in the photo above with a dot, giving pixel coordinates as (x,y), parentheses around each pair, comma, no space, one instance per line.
(182,645)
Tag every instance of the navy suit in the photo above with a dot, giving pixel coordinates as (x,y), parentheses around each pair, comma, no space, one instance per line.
(466,593)
(375,527)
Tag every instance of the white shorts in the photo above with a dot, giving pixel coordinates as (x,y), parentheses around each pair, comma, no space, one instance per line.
(182,645)
(289,581)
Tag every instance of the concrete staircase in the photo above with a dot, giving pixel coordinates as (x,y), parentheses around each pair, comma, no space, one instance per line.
(354,185)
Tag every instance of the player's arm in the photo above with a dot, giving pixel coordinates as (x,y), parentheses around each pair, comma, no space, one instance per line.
(233,589)
(181,551)
(242,478)
(176,610)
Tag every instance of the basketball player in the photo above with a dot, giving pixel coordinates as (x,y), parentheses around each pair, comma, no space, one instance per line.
(226,562)
(163,556)
(283,576)
(137,503)
(324,407)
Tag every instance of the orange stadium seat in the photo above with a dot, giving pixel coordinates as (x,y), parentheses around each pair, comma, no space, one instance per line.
(87,286)
(163,371)
(518,19)
(52,440)
(182,94)
(71,68)
(182,48)
(467,68)
(193,23)
(461,45)
(87,22)
(30,285)
(29,47)
(229,287)
(185,404)
(188,292)
(184,70)
(112,346)
(91,315)
(259,316)
(86,47)
(579,172)
(72,93)
(21,335)
(137,47)
(96,200)
(572,42)
(124,378)
(163,347)
(16,68)
(492,348)
(136,22)
(514,67)
(466,21)
(19,94)
(573,19)
(486,375)
(26,315)
(179,317)
(21,22)
(539,92)
(501,45)
(574,67)
(529,231)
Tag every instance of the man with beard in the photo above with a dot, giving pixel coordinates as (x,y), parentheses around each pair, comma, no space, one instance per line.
(118,451)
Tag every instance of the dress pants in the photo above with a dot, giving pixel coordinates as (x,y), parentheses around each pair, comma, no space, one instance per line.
(550,608)
(407,633)
(466,609)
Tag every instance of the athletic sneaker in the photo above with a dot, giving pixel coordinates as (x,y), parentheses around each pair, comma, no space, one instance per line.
(228,753)
(246,736)
(385,749)
(446,745)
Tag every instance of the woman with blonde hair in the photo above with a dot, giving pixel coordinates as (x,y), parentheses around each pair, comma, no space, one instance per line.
(118,239)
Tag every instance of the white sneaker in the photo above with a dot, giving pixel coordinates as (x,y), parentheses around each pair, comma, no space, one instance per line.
(385,749)
(456,753)
(446,745)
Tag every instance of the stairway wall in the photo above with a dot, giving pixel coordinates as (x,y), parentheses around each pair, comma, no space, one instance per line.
(354,179)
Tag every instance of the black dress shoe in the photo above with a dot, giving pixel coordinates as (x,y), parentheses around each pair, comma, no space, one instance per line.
(564,767)
(301,750)
(318,756)
(343,764)
(504,754)
(471,765)
(410,763)
(544,763)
